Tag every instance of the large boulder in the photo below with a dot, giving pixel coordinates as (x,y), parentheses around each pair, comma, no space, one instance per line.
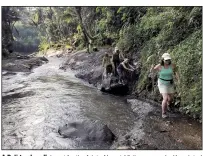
(87,131)
(110,85)
(20,63)
(116,89)
(92,76)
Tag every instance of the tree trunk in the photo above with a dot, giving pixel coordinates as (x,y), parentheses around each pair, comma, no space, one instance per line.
(87,36)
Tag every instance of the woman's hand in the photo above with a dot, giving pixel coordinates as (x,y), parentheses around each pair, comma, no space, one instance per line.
(179,94)
(177,77)
(178,81)
(152,67)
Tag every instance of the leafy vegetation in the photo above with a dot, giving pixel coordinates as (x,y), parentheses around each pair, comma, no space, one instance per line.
(9,17)
(176,30)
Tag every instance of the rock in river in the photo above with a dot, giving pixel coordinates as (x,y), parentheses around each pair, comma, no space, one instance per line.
(87,131)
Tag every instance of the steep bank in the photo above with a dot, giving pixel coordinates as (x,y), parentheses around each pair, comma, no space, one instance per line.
(178,31)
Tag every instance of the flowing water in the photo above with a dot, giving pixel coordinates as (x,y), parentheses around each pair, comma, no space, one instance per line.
(35,104)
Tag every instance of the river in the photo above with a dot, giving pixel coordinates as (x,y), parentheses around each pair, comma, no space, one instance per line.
(35,104)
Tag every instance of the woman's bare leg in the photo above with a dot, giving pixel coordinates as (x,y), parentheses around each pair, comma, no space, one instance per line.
(170,98)
(164,102)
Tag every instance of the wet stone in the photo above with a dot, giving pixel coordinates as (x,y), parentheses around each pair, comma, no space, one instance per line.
(87,131)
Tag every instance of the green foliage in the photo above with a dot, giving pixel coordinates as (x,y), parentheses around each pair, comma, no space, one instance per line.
(67,46)
(176,30)
(44,45)
(9,17)
(178,36)
(188,57)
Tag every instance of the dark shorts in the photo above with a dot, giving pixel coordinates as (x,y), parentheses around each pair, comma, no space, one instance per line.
(121,73)
(116,62)
(109,68)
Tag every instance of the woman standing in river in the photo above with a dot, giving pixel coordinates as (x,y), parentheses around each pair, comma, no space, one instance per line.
(107,63)
(117,58)
(165,80)
(123,69)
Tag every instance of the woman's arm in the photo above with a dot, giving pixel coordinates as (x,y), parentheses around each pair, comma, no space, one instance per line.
(113,66)
(131,67)
(156,68)
(121,55)
(126,67)
(103,61)
(177,77)
(175,69)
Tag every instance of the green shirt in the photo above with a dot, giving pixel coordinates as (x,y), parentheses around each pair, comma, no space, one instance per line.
(106,61)
(166,74)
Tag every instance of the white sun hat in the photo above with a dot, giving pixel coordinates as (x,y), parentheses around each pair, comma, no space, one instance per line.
(166,56)
(116,48)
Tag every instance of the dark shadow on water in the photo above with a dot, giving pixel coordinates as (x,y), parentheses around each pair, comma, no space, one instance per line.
(17,95)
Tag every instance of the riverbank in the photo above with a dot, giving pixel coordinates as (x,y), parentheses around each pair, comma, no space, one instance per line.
(150,128)
(17,62)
